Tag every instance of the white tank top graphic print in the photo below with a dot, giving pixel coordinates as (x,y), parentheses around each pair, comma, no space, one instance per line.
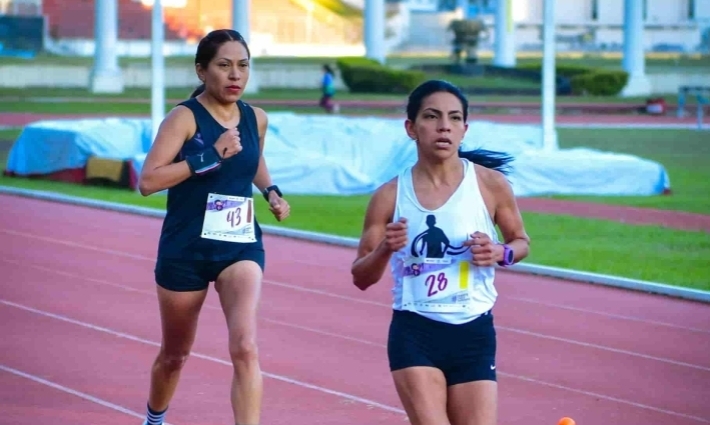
(433,274)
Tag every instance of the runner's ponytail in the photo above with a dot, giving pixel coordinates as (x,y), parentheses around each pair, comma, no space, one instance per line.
(498,161)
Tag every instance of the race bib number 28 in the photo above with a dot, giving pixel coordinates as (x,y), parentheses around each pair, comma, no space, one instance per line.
(229,218)
(436,285)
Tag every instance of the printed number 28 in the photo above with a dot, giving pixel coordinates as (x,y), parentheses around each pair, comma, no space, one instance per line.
(436,283)
(234,217)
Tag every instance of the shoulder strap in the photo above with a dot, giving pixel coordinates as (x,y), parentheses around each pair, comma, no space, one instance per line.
(197,109)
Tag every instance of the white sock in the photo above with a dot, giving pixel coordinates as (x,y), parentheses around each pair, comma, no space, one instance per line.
(155,418)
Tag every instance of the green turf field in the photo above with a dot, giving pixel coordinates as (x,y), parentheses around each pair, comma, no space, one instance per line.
(684,153)
(641,252)
(655,62)
(137,100)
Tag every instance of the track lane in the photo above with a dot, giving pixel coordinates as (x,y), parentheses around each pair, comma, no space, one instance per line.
(517,405)
(112,366)
(50,403)
(111,240)
(525,357)
(560,324)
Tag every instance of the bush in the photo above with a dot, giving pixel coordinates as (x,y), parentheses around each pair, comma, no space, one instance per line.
(599,83)
(586,80)
(362,75)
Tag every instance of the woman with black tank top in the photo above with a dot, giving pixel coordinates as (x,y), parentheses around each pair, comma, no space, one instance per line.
(208,154)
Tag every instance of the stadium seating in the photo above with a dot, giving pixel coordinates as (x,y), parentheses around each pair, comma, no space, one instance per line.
(287,21)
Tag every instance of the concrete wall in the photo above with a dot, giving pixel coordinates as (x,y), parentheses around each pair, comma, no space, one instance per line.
(267,76)
(59,76)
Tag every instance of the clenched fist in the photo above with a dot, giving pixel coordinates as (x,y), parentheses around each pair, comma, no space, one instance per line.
(278,206)
(229,143)
(396,235)
(485,252)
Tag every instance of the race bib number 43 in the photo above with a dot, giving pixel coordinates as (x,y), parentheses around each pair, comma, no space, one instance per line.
(229,218)
(436,285)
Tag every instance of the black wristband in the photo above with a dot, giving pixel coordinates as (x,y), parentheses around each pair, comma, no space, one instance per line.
(205,161)
(269,189)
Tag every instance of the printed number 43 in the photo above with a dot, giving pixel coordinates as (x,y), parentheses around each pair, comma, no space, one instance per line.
(436,283)
(234,217)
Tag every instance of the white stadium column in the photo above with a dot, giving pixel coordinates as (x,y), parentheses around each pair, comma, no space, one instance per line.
(464,6)
(634,56)
(106,75)
(504,35)
(157,70)
(549,85)
(374,30)
(241,22)
(240,17)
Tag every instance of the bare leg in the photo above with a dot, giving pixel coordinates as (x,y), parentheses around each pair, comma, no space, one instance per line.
(422,391)
(239,288)
(474,403)
(179,312)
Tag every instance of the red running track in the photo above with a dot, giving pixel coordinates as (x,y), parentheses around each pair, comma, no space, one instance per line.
(79,315)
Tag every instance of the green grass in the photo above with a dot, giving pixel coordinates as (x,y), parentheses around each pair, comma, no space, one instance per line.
(684,153)
(137,101)
(487,82)
(108,108)
(143,95)
(467,82)
(655,62)
(641,252)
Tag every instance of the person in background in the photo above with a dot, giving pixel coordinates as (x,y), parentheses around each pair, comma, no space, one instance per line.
(328,90)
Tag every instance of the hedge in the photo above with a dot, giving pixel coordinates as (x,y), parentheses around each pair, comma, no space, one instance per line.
(599,83)
(586,80)
(362,75)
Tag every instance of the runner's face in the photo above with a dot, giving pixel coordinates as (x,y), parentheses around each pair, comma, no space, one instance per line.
(228,73)
(439,127)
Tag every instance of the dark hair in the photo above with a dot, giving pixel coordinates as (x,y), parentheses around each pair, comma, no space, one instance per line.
(208,47)
(328,69)
(490,159)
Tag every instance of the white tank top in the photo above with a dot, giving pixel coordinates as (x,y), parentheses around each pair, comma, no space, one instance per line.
(433,274)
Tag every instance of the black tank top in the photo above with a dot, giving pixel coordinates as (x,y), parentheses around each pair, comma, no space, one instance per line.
(186,203)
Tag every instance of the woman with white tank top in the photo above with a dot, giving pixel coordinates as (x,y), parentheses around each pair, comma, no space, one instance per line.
(434,225)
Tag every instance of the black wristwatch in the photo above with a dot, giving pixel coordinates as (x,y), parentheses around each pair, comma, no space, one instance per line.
(269,189)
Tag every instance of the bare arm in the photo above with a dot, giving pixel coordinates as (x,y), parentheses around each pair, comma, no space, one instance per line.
(277,205)
(508,218)
(374,251)
(159,172)
(262,179)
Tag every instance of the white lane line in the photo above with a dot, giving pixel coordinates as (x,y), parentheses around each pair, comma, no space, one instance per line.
(282,378)
(76,393)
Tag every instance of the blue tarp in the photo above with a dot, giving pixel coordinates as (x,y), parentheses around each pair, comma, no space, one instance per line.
(337,155)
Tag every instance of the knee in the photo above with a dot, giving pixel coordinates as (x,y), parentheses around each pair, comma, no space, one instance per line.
(243,349)
(173,361)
